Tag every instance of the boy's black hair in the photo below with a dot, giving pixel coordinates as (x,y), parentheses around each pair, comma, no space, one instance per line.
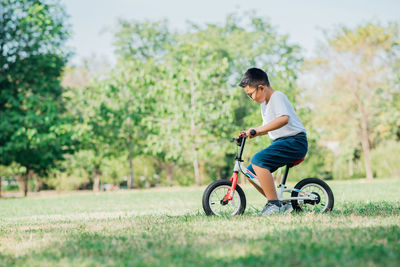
(254,77)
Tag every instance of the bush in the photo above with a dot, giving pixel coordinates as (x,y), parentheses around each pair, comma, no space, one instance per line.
(318,163)
(385,159)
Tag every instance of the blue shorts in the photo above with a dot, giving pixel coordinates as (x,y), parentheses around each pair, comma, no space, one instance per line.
(281,152)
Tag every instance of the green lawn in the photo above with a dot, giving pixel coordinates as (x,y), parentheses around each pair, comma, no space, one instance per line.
(167,227)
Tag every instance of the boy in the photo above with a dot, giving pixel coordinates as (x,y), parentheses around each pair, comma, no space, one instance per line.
(288,135)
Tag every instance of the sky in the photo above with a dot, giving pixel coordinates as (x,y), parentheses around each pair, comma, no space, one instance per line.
(304,21)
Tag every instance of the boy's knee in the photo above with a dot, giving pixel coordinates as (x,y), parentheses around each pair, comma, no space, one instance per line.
(255,166)
(262,168)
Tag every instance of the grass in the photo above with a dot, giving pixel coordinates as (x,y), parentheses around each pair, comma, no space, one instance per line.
(167,227)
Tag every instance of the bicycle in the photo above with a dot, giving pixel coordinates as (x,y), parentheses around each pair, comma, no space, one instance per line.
(310,194)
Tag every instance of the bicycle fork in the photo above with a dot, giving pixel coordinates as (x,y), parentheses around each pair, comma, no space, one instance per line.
(229,194)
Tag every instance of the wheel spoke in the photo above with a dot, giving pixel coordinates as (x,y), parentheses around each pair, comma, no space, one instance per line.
(231,208)
(315,189)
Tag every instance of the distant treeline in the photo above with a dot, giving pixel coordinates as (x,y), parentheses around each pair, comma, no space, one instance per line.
(164,113)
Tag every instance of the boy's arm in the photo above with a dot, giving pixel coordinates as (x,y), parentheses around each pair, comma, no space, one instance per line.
(273,125)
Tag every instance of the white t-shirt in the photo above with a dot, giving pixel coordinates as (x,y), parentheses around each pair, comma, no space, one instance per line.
(277,106)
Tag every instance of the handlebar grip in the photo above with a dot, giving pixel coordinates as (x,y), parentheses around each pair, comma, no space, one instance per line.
(253,132)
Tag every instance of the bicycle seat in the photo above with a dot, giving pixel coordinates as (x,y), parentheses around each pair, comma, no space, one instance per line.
(297,162)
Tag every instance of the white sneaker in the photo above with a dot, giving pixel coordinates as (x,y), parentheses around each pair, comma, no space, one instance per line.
(270,209)
(288,208)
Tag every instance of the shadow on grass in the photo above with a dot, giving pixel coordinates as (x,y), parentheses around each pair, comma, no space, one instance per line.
(174,243)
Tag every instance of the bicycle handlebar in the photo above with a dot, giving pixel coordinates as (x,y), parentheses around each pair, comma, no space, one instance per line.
(239,139)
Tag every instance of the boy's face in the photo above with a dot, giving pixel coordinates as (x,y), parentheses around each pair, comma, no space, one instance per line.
(256,93)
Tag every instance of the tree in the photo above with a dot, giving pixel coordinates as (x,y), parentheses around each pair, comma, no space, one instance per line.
(85,92)
(140,47)
(200,77)
(97,129)
(127,102)
(34,131)
(354,72)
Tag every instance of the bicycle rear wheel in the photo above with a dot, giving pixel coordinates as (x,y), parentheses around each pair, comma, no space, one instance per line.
(214,194)
(324,197)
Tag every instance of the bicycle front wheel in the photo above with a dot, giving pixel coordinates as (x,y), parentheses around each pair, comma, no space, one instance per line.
(214,194)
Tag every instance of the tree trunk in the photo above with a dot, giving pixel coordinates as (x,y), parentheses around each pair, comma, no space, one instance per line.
(196,165)
(169,171)
(26,178)
(194,134)
(364,137)
(58,187)
(38,184)
(20,181)
(365,145)
(96,181)
(130,180)
(366,149)
(351,166)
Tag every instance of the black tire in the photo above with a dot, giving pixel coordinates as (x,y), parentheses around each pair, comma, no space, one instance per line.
(318,185)
(223,186)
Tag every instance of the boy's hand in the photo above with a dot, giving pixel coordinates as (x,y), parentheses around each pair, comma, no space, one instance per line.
(240,136)
(248,133)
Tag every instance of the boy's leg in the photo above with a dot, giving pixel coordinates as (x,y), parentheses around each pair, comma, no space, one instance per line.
(259,189)
(267,182)
(279,153)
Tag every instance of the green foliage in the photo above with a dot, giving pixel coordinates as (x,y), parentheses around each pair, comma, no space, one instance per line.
(318,164)
(198,97)
(166,110)
(12,170)
(34,131)
(142,41)
(63,181)
(8,176)
(385,158)
(355,89)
